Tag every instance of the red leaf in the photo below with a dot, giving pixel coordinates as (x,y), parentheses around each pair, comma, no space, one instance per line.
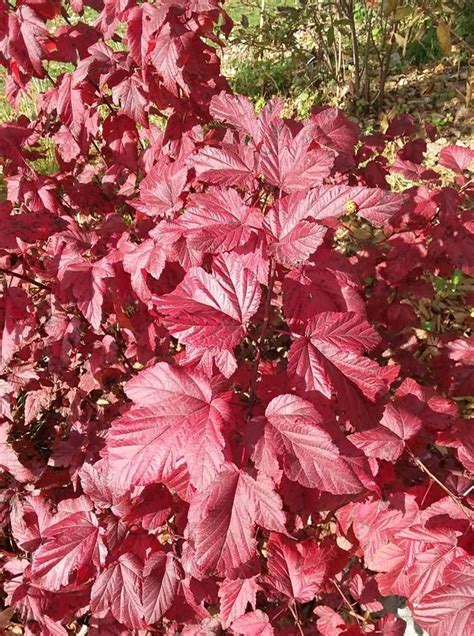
(166,55)
(118,590)
(449,609)
(140,260)
(292,236)
(330,352)
(161,189)
(87,282)
(228,165)
(71,545)
(142,22)
(234,597)
(310,290)
(9,461)
(28,36)
(209,311)
(376,205)
(181,416)
(237,111)
(131,96)
(161,579)
(388,440)
(297,570)
(219,221)
(335,130)
(222,521)
(16,316)
(287,162)
(309,454)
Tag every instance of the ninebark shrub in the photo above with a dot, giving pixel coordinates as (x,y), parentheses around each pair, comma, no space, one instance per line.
(233,364)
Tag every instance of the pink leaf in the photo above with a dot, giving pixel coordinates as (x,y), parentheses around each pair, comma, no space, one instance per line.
(29,519)
(287,162)
(297,570)
(140,260)
(461,350)
(71,545)
(234,597)
(161,578)
(329,623)
(228,165)
(161,189)
(118,590)
(209,311)
(253,624)
(376,205)
(237,111)
(449,608)
(456,158)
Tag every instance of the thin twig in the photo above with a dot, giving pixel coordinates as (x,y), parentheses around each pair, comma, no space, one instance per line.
(438,21)
(296,617)
(25,278)
(433,477)
(263,332)
(352,611)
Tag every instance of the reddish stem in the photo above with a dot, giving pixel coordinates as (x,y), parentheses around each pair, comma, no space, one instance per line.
(261,339)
